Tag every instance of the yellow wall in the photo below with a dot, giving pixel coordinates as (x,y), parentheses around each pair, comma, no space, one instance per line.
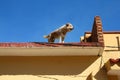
(49,68)
(111,40)
(59,68)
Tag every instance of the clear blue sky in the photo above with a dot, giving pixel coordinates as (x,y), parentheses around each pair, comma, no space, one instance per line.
(29,20)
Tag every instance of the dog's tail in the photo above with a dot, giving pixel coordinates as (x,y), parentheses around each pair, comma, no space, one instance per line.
(46,36)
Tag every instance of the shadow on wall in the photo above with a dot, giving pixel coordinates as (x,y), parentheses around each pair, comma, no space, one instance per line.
(45,65)
(101,74)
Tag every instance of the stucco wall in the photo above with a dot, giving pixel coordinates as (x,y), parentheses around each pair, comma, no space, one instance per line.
(55,68)
(111,41)
(62,67)
(50,68)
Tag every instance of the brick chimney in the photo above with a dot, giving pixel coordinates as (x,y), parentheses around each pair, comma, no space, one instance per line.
(96,35)
(97,32)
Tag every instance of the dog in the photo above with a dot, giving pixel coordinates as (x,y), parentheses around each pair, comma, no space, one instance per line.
(60,33)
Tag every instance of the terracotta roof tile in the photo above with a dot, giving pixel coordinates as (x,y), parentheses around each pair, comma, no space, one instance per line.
(44,44)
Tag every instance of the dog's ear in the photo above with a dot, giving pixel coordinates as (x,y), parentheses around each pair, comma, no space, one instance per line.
(67,24)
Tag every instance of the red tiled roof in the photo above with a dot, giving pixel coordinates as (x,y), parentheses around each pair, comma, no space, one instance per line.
(106,32)
(44,44)
(111,32)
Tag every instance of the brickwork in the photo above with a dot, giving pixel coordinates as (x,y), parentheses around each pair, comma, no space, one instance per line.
(97,32)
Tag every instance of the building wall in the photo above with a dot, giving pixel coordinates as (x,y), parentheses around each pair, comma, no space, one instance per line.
(62,67)
(111,50)
(111,40)
(49,68)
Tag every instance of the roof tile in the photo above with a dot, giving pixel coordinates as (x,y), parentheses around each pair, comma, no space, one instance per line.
(44,44)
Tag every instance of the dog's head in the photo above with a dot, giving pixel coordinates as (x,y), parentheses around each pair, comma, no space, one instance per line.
(69,27)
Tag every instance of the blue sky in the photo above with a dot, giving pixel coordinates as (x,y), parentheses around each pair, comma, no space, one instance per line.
(29,20)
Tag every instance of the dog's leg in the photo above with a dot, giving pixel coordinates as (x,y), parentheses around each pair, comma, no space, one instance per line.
(61,39)
(51,40)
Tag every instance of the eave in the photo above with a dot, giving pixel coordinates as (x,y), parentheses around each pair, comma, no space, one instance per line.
(50,49)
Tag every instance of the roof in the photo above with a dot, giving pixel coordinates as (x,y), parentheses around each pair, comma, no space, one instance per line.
(94,45)
(45,44)
(50,49)
(107,32)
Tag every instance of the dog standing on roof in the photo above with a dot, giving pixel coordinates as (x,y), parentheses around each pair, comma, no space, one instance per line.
(60,33)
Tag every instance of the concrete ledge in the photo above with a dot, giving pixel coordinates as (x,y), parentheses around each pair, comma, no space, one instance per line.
(52,51)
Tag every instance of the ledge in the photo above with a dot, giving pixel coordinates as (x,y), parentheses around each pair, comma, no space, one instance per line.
(50,49)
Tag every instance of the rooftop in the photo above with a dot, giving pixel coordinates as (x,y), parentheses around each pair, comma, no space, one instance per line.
(93,45)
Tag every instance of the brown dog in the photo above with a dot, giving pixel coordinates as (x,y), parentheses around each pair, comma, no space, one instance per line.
(59,33)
